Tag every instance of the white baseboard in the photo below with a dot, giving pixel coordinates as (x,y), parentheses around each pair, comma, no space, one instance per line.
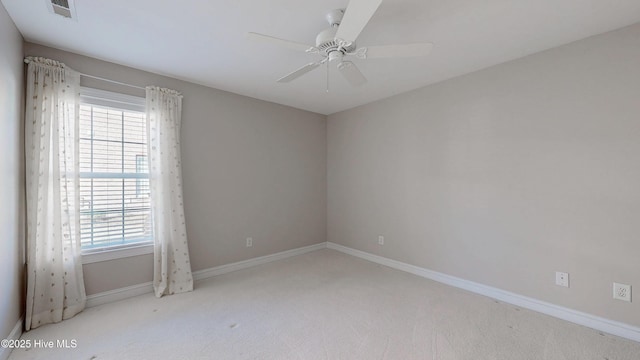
(605,325)
(141,289)
(223,269)
(119,294)
(15,334)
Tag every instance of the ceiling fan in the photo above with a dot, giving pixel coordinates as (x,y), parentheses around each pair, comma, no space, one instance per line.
(339,41)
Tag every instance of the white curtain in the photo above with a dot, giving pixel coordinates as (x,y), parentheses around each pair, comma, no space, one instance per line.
(172,269)
(55,286)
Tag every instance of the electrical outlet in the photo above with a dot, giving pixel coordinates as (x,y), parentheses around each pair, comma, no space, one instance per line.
(249,242)
(622,292)
(562,279)
(380,240)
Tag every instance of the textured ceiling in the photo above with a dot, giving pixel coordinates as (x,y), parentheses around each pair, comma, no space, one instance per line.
(205,41)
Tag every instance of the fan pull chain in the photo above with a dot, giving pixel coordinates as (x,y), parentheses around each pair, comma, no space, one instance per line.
(327,77)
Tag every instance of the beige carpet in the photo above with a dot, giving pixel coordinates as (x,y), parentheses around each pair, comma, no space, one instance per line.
(322,305)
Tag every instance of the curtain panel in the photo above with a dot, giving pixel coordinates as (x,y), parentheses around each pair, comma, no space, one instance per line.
(55,286)
(172,268)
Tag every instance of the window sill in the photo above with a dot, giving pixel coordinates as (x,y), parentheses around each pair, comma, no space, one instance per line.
(112,254)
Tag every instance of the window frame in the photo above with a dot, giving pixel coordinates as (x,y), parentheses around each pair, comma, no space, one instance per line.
(91,96)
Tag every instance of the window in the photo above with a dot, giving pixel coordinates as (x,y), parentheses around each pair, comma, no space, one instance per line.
(115,208)
(142,185)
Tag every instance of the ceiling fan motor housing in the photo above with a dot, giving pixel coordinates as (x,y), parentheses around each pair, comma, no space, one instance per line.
(326,39)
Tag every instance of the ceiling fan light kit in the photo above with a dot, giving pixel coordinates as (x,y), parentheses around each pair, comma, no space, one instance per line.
(339,40)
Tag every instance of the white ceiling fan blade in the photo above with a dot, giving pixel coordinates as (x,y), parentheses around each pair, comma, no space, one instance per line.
(351,73)
(403,50)
(296,74)
(357,15)
(281,42)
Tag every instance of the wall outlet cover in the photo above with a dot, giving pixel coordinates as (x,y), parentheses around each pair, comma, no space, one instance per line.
(622,292)
(562,279)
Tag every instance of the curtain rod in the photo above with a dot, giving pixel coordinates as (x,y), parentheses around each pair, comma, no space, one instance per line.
(112,81)
(26,61)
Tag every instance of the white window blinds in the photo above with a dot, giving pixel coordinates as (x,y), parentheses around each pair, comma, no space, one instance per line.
(114,175)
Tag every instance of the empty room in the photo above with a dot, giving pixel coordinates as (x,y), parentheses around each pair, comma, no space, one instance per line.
(338,179)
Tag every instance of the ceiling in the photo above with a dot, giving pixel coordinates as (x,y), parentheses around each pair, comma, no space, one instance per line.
(205,41)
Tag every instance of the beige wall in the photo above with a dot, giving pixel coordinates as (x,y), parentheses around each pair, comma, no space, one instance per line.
(12,179)
(250,169)
(504,176)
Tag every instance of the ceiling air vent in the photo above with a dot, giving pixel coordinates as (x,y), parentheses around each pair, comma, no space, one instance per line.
(63,8)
